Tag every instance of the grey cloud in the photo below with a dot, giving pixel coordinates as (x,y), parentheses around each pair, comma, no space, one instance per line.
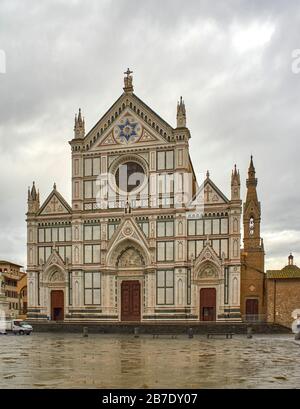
(66,54)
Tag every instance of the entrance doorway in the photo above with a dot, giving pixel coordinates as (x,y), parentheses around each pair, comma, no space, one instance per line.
(57,305)
(208,304)
(252,309)
(130,301)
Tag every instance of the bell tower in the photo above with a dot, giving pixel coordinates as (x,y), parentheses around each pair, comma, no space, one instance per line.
(253,255)
(252,212)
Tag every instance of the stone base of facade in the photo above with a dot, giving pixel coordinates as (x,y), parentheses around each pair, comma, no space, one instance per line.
(150,328)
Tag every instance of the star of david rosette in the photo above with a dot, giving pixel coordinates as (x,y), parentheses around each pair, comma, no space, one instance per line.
(127,131)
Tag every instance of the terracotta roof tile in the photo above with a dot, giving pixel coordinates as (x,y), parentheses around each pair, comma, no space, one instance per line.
(290,271)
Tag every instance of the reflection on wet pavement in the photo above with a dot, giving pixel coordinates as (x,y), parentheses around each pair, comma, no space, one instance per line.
(122,361)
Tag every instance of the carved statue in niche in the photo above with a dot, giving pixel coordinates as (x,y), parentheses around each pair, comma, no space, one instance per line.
(130,257)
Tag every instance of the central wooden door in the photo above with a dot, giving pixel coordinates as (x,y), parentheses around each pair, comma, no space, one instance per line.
(57,305)
(130,301)
(208,304)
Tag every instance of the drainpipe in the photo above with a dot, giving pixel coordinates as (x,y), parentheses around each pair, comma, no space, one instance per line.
(274,302)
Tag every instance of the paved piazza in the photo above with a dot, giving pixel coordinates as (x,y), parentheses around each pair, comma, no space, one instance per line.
(111,361)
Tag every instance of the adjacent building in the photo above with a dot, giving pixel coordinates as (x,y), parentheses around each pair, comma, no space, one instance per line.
(10,274)
(283,294)
(22,294)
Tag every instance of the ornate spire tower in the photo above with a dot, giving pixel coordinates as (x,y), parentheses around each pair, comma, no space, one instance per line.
(252,212)
(253,255)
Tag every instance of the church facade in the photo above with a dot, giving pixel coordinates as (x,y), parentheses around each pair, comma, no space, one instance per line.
(143,239)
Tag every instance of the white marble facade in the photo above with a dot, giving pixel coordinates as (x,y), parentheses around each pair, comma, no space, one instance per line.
(136,251)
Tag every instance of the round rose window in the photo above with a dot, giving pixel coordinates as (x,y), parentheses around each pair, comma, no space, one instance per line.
(129,176)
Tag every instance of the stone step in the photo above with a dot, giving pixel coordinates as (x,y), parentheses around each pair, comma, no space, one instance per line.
(157,328)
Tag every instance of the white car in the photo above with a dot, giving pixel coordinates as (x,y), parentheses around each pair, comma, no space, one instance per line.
(16,326)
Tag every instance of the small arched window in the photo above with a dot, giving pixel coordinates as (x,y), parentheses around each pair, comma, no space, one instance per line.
(251,226)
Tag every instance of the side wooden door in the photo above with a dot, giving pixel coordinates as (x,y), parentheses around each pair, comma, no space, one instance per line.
(208,304)
(130,301)
(57,305)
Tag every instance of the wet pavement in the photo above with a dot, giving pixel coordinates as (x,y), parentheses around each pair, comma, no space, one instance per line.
(122,361)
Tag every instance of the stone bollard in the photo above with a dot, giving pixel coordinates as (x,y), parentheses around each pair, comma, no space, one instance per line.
(297,336)
(136,332)
(190,333)
(85,331)
(249,332)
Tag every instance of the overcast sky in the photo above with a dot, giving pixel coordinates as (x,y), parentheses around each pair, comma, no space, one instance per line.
(230,60)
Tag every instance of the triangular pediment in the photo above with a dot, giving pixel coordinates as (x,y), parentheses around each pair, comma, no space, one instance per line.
(128,121)
(55,204)
(208,194)
(207,257)
(54,260)
(128,231)
(127,130)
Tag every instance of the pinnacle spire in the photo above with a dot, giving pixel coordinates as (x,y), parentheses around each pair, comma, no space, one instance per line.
(33,192)
(251,197)
(251,166)
(251,174)
(235,184)
(79,126)
(181,114)
(235,174)
(33,199)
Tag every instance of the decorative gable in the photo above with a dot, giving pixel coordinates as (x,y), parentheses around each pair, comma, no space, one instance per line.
(207,265)
(54,271)
(55,204)
(125,122)
(208,194)
(127,130)
(128,231)
(208,254)
(54,259)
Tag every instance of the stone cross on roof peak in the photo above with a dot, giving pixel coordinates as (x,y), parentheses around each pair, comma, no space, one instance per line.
(128,87)
(128,72)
